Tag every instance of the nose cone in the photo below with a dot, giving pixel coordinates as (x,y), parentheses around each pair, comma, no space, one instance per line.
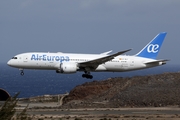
(9,63)
(12,63)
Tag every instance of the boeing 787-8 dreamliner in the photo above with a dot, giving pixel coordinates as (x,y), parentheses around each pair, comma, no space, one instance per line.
(106,62)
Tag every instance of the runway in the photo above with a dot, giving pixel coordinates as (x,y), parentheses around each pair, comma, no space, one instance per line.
(105,111)
(52,110)
(159,113)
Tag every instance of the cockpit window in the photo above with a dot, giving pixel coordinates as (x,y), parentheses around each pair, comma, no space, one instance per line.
(14,57)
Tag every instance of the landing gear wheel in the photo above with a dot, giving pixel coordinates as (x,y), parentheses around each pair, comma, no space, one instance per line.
(83,75)
(87,76)
(22,73)
(90,76)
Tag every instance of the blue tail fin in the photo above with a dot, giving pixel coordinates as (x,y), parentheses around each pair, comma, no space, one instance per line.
(152,48)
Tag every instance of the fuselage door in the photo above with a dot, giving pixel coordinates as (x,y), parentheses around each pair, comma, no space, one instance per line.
(131,63)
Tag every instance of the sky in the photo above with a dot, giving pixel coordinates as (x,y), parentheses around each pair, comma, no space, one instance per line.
(88,26)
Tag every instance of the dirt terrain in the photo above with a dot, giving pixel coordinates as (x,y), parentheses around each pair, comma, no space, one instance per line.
(140,91)
(153,97)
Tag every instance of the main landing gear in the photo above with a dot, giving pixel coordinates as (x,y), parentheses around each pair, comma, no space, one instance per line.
(87,75)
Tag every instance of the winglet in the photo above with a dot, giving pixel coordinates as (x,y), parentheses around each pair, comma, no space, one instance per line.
(152,48)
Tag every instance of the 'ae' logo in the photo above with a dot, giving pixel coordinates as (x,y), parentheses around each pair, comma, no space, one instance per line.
(153,48)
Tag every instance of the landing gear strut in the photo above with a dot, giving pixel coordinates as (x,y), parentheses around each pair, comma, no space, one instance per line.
(87,75)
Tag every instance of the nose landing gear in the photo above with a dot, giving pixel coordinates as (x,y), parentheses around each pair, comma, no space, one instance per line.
(22,72)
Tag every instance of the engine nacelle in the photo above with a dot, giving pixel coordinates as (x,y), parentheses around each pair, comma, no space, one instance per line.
(67,67)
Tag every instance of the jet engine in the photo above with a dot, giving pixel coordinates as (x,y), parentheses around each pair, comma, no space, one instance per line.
(67,67)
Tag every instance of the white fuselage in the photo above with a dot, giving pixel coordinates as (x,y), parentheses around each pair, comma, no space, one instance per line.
(71,63)
(51,61)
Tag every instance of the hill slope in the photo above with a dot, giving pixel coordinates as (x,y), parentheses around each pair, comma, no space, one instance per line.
(139,91)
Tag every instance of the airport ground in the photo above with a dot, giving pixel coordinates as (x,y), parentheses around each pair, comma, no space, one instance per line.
(51,111)
(153,97)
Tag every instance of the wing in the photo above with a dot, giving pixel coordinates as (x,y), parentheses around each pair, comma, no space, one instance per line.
(92,64)
(106,53)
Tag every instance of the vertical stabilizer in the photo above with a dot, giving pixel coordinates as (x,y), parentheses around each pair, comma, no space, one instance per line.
(152,49)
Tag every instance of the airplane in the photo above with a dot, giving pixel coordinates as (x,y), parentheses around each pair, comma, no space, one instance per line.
(67,63)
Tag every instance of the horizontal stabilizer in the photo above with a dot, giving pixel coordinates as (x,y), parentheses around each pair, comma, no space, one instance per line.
(157,61)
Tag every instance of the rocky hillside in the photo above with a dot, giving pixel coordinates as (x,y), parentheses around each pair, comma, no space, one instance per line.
(139,91)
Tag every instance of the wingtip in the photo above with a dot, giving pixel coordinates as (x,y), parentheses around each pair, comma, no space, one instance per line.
(129,49)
